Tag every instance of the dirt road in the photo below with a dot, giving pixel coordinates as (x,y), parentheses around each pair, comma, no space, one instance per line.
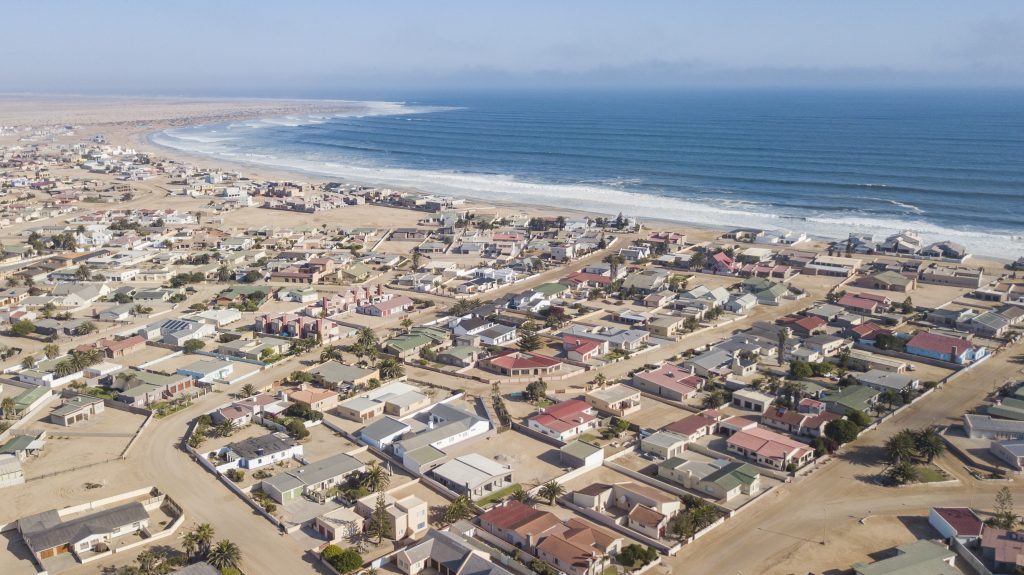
(783,533)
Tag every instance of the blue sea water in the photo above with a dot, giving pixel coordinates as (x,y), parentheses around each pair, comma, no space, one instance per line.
(947,164)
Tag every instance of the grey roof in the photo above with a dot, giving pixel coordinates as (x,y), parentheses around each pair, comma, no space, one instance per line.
(338,372)
(262,445)
(1013,446)
(663,439)
(201,568)
(74,404)
(454,553)
(878,378)
(46,530)
(986,423)
(331,467)
(382,428)
(472,470)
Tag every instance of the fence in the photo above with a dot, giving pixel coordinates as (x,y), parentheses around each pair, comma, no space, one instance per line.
(969,557)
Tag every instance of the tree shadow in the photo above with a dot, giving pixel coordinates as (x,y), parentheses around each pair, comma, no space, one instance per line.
(863,455)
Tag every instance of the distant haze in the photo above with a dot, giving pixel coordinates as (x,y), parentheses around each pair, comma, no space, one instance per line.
(351,49)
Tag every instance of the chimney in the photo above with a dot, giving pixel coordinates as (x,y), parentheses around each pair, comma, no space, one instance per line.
(954,354)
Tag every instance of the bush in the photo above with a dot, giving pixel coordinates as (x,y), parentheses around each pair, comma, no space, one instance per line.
(236,475)
(634,554)
(296,429)
(842,430)
(801,369)
(859,417)
(344,560)
(194,345)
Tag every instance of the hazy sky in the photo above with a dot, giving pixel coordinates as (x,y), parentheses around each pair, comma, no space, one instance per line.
(334,48)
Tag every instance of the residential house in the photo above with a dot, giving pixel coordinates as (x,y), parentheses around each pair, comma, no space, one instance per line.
(321,400)
(618,400)
(312,479)
(406,517)
(669,381)
(648,509)
(76,409)
(447,553)
(752,400)
(513,363)
(663,444)
(473,474)
(336,375)
(798,422)
(945,348)
(921,556)
(47,534)
(960,523)
(446,426)
(719,478)
(769,448)
(257,452)
(565,421)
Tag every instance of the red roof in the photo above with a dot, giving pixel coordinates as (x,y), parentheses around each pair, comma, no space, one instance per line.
(856,302)
(961,519)
(581,277)
(868,329)
(721,258)
(938,343)
(690,425)
(810,323)
(565,416)
(117,345)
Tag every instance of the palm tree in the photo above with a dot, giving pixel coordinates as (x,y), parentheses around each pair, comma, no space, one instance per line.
(519,494)
(390,369)
(714,399)
(551,490)
(460,508)
(64,368)
(51,350)
(7,407)
(249,390)
(225,554)
(903,472)
(190,544)
(85,328)
(226,428)
(900,447)
(406,324)
(331,352)
(204,537)
(929,443)
(376,478)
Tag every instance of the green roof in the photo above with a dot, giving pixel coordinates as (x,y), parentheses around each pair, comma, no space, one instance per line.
(462,351)
(16,444)
(918,558)
(580,449)
(853,397)
(28,397)
(425,454)
(733,475)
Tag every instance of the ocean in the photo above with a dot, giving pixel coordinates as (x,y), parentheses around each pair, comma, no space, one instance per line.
(947,164)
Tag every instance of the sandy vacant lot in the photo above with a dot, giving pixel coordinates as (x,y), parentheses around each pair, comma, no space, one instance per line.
(533,462)
(83,445)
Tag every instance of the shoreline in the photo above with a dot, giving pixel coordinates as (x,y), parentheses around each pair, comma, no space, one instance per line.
(135,122)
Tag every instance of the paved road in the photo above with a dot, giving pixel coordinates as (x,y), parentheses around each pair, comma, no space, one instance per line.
(841,492)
